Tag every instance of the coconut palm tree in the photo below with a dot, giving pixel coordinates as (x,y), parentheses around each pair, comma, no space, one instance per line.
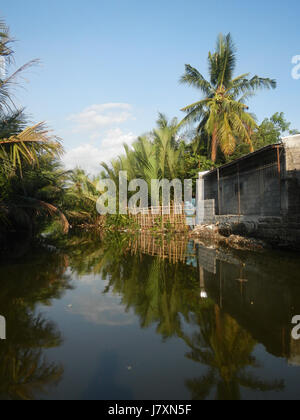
(28,145)
(223,113)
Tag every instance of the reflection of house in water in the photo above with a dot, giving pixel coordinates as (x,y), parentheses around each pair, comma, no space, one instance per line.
(260,295)
(294,359)
(260,291)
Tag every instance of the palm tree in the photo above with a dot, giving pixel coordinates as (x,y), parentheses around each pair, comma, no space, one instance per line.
(22,148)
(80,198)
(28,145)
(223,113)
(168,151)
(156,155)
(39,190)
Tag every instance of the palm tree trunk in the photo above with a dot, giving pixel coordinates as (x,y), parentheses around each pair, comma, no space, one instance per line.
(214,145)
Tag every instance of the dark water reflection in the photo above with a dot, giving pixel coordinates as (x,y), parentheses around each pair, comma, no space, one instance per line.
(149,318)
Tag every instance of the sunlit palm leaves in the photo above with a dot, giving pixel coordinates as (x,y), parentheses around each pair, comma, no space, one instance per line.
(80,198)
(28,144)
(157,155)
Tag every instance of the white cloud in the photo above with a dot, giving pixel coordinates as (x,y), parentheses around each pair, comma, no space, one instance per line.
(96,117)
(89,156)
(99,124)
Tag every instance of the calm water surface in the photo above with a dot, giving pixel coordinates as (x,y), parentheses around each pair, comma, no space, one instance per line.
(149,319)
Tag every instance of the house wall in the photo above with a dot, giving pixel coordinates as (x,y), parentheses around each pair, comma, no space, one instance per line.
(258,195)
(248,187)
(292,177)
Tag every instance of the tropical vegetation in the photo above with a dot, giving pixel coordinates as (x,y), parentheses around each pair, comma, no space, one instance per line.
(39,196)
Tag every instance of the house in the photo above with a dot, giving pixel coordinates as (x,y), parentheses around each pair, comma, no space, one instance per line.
(258,194)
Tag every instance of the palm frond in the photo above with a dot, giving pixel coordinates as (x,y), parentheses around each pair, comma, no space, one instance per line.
(29,144)
(193,78)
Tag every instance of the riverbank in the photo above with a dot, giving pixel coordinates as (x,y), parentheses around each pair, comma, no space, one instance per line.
(221,235)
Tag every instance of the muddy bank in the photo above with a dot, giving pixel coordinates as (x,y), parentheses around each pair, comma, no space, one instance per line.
(224,236)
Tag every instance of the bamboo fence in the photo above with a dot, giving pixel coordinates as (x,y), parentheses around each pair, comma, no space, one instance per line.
(159,218)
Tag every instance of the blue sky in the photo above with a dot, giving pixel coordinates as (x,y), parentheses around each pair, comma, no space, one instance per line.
(108,67)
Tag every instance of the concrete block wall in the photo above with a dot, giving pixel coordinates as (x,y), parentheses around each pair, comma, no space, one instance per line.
(292,176)
(260,193)
(250,186)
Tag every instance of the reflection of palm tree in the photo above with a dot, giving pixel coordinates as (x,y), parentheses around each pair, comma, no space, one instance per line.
(23,370)
(226,348)
(165,294)
(154,288)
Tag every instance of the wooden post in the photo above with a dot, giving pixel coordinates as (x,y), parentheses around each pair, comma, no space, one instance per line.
(219,192)
(279,175)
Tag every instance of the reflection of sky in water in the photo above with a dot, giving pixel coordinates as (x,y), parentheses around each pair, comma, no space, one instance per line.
(154,347)
(99,307)
(107,355)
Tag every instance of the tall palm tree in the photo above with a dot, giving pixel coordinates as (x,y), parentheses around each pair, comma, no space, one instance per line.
(223,113)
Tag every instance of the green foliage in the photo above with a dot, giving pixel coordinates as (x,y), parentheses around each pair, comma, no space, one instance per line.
(38,195)
(120,222)
(156,155)
(30,177)
(271,130)
(25,371)
(80,197)
(197,163)
(30,199)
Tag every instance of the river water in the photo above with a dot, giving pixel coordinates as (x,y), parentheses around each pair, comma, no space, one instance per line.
(149,318)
